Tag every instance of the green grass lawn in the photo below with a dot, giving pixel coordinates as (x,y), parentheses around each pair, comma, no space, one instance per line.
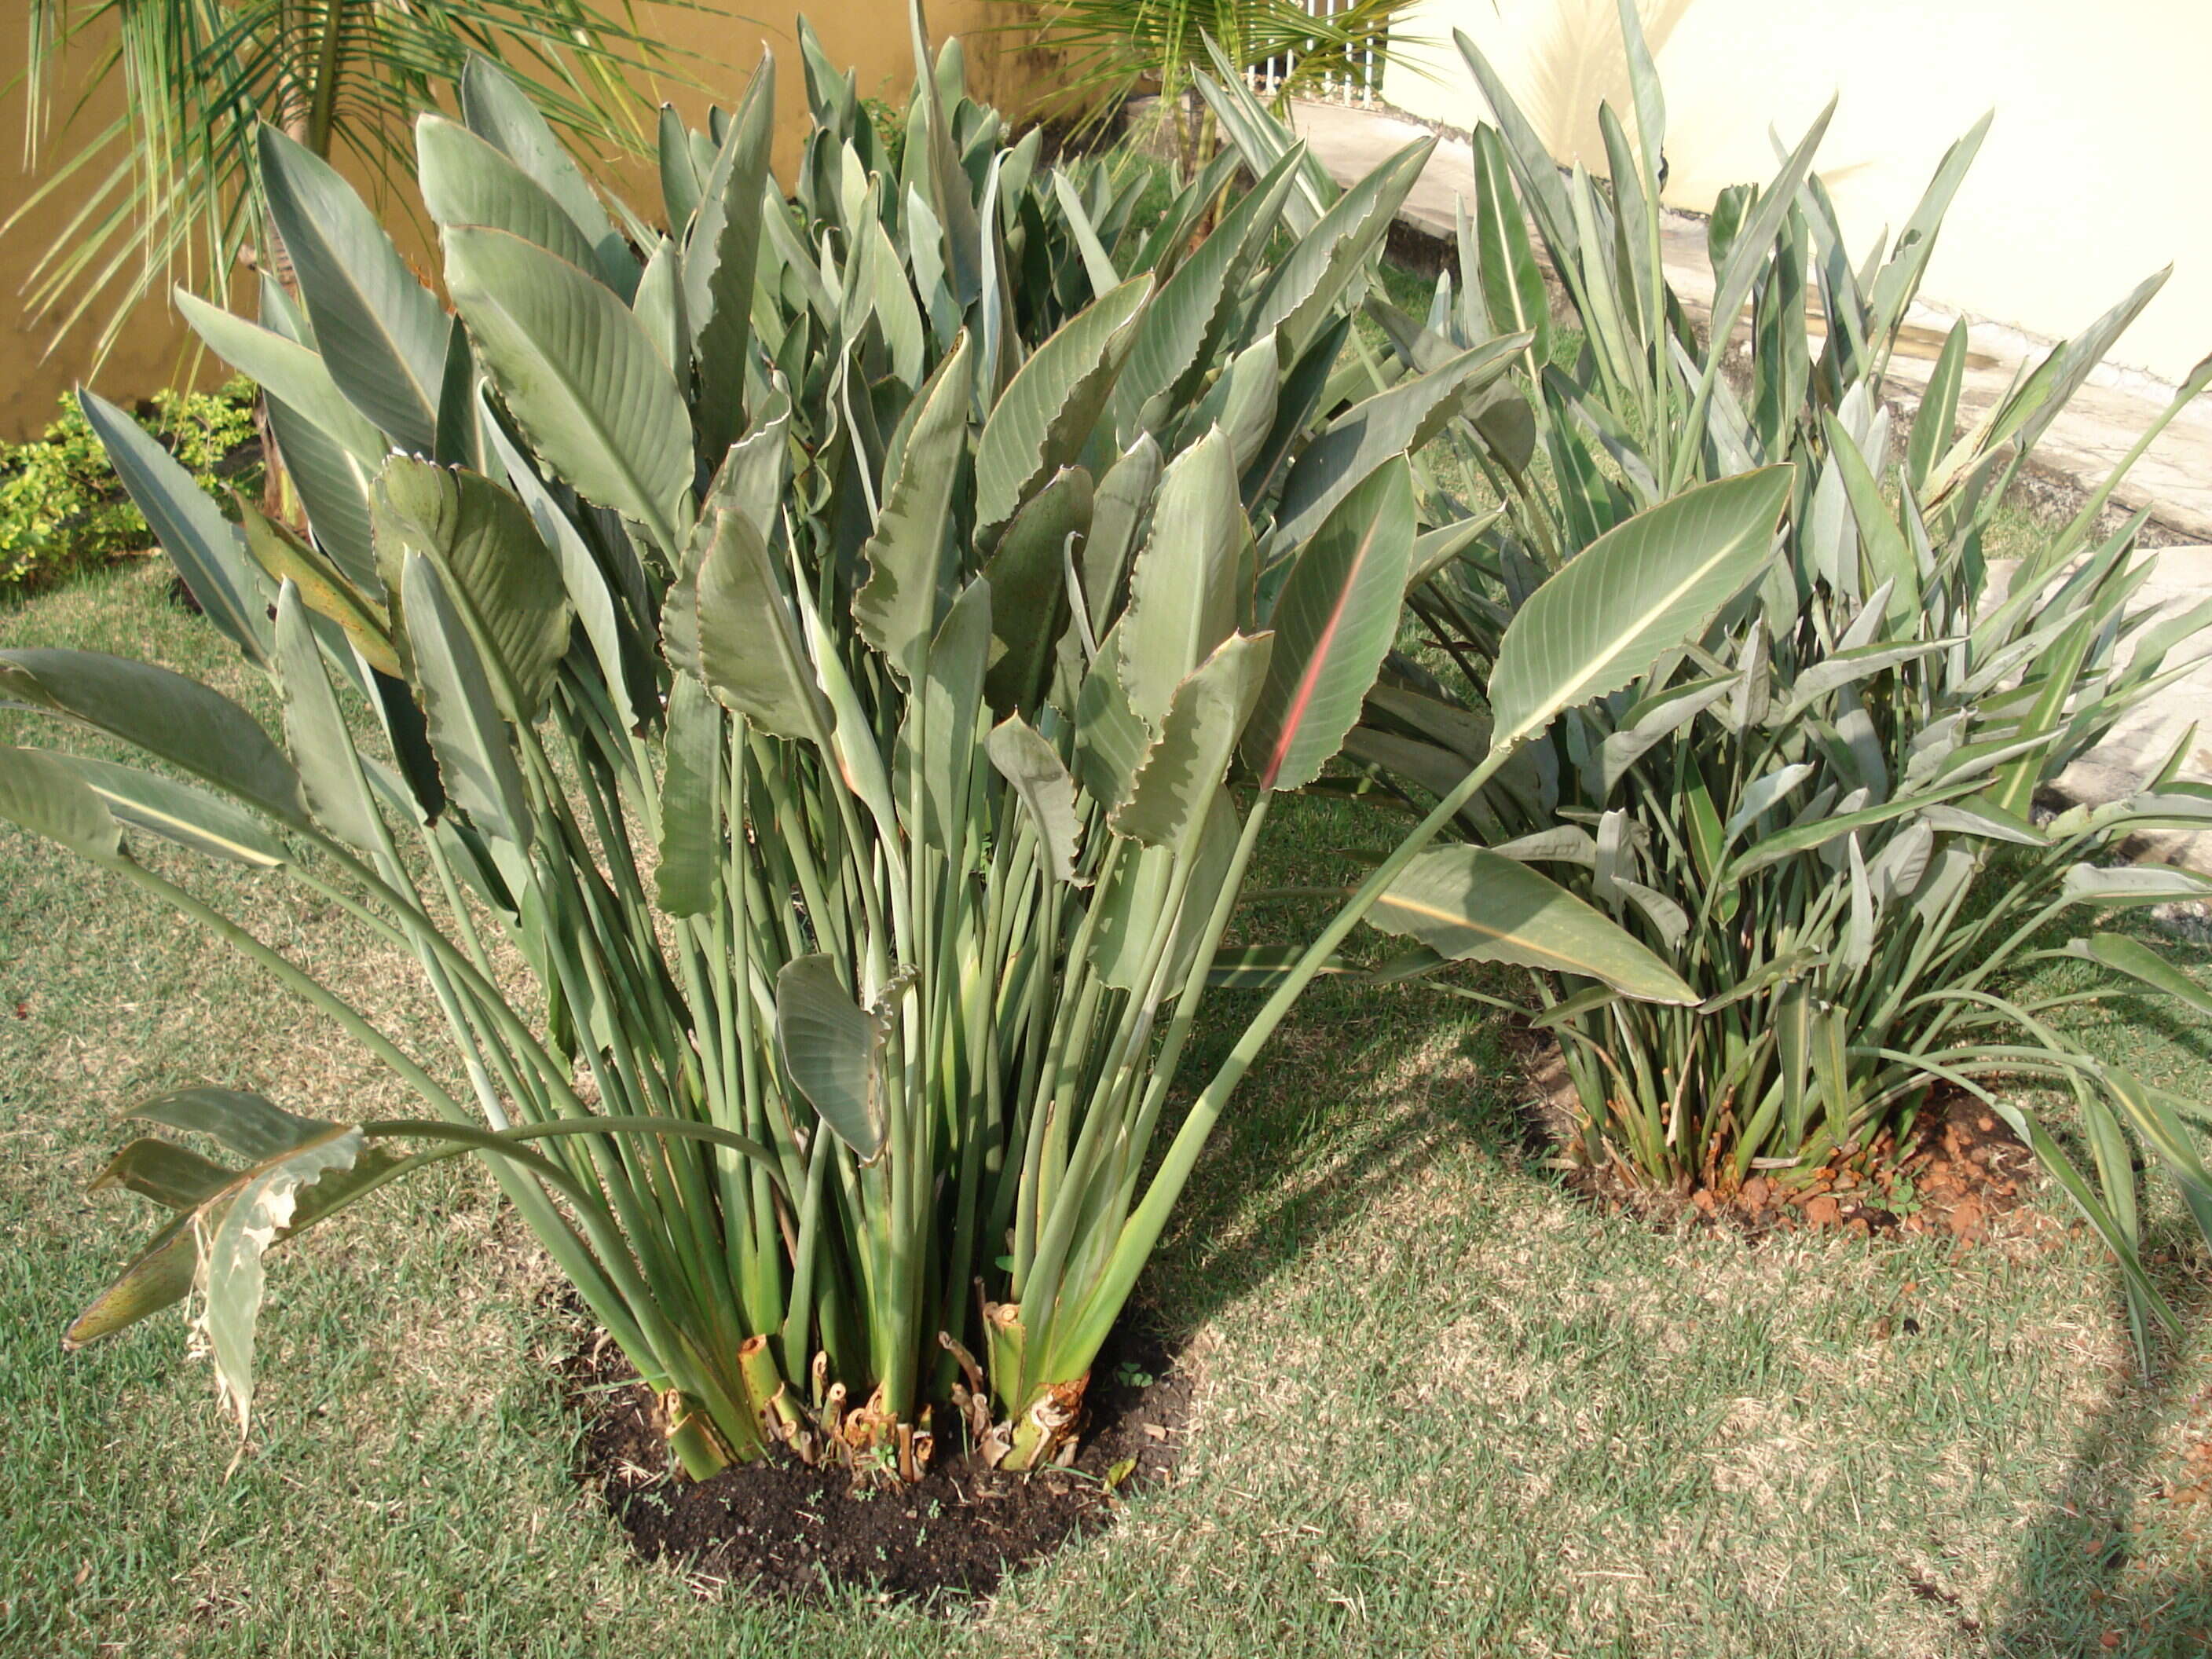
(1444,1408)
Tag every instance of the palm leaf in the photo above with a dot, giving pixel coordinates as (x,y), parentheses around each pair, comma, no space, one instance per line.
(166,193)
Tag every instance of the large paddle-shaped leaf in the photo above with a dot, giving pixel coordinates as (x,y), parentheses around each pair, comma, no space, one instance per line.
(833,1049)
(332,479)
(172,1175)
(1302,295)
(1029,589)
(1469,904)
(498,111)
(1110,737)
(722,256)
(1044,418)
(304,1169)
(690,801)
(200,542)
(2131,884)
(334,486)
(285,558)
(1334,621)
(1539,174)
(497,568)
(382,334)
(749,648)
(932,166)
(1192,583)
(578,371)
(1172,343)
(1261,139)
(176,719)
(590,589)
(1639,590)
(476,753)
(288,371)
(180,813)
(250,1124)
(1390,423)
(1174,788)
(161,1274)
(467,180)
(42,792)
(1027,760)
(1509,285)
(315,732)
(2138,961)
(897,608)
(232,1240)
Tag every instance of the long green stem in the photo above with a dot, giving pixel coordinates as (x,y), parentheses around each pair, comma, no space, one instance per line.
(1142,1233)
(323,104)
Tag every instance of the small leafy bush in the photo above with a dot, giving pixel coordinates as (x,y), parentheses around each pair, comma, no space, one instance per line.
(60,509)
(1818,812)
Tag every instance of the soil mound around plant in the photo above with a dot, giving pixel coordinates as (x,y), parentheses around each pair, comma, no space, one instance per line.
(1961,1172)
(781,1530)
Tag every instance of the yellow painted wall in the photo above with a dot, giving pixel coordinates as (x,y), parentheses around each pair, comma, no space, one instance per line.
(870,35)
(2090,179)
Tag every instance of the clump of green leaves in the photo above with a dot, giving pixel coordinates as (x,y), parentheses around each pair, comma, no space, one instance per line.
(809,699)
(1818,812)
(61,510)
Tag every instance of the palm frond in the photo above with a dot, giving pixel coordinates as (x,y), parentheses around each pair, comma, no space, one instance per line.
(1110,48)
(174,202)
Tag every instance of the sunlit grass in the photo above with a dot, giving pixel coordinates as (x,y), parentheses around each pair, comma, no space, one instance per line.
(1446,1408)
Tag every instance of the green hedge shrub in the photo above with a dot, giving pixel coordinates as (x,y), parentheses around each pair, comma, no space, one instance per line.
(61,511)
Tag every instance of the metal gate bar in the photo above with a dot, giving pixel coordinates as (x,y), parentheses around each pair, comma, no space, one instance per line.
(1359,83)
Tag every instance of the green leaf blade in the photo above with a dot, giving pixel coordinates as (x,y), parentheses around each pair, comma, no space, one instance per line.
(166,715)
(1045,416)
(579,372)
(748,643)
(1334,621)
(1027,760)
(1469,904)
(832,1048)
(204,545)
(382,334)
(43,794)
(1174,789)
(1641,589)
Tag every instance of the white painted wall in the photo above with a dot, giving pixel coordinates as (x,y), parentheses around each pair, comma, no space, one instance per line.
(2093,174)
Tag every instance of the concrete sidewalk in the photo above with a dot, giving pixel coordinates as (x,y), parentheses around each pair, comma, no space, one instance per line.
(2174,477)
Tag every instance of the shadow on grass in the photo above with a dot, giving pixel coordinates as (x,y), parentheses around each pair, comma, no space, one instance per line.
(1357,1093)
(2159,1019)
(2078,1587)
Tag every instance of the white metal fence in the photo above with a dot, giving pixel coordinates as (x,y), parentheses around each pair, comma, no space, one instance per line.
(1358,83)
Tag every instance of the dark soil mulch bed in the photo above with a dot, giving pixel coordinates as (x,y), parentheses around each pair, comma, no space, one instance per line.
(781,1530)
(1960,1170)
